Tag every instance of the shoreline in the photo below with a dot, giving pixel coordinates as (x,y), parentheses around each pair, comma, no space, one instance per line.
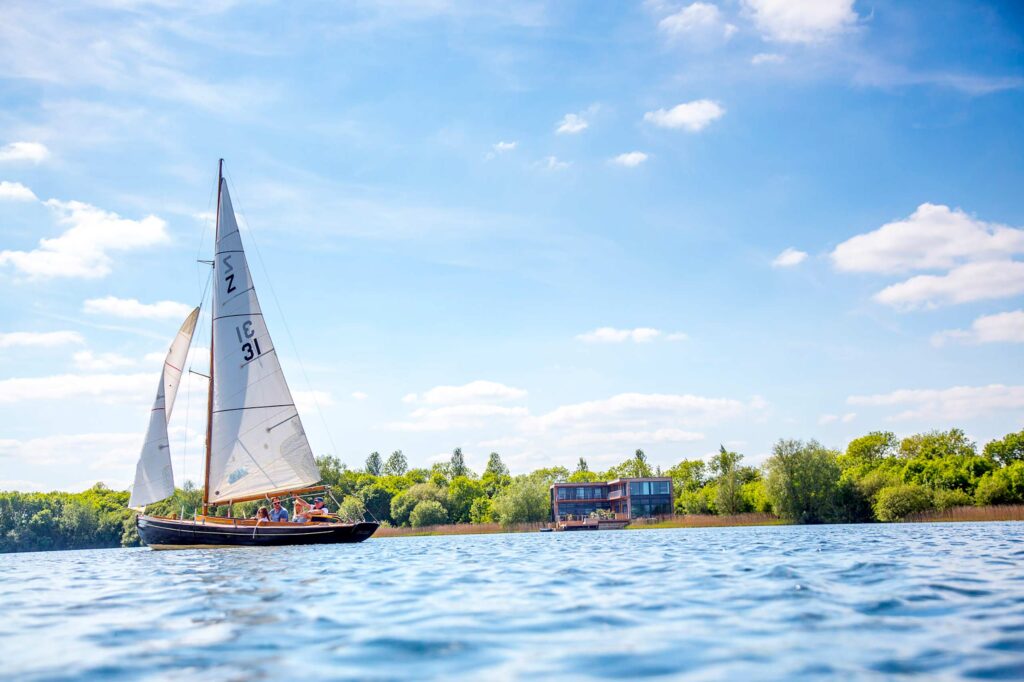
(995,513)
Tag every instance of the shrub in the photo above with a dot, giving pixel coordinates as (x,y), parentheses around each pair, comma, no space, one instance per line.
(428,513)
(403,503)
(947,499)
(700,501)
(898,501)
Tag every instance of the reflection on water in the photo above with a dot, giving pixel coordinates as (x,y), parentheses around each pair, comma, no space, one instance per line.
(822,602)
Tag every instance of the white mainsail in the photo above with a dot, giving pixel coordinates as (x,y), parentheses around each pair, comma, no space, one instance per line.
(257,443)
(154,479)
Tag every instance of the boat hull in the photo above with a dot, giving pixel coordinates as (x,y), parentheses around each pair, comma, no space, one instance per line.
(159,533)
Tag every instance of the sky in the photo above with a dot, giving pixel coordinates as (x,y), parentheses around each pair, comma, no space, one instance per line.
(545,229)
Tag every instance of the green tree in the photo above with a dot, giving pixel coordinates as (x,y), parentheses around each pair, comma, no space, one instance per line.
(377,501)
(725,467)
(899,501)
(689,475)
(396,464)
(495,467)
(584,477)
(481,511)
(551,475)
(374,465)
(352,509)
(937,444)
(1006,450)
(403,503)
(801,481)
(457,464)
(634,467)
(1002,486)
(581,466)
(526,499)
(462,493)
(428,513)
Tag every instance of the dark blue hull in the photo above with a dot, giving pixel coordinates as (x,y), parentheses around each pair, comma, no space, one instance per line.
(161,533)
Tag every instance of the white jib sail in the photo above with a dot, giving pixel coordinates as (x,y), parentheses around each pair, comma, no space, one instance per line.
(257,443)
(154,479)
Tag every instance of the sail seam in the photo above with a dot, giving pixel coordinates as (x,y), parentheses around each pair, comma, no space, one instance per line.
(221,317)
(240,293)
(252,407)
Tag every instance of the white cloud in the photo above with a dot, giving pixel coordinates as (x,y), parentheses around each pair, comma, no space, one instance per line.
(82,447)
(613,335)
(453,417)
(310,401)
(502,147)
(633,438)
(767,58)
(105,386)
(88,361)
(802,21)
(832,418)
(15,191)
(642,409)
(999,328)
(691,116)
(697,20)
(789,258)
(677,336)
(39,339)
(971,282)
(467,406)
(507,442)
(83,249)
(630,159)
(976,255)
(950,404)
(359,395)
(132,309)
(933,237)
(473,392)
(552,163)
(572,124)
(34,152)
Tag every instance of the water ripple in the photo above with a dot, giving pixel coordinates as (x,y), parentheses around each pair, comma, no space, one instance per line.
(823,602)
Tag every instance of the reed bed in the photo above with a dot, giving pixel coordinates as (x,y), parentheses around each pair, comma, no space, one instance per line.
(1002,512)
(706,521)
(458,529)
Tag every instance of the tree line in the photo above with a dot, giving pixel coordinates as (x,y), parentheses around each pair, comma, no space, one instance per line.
(879,477)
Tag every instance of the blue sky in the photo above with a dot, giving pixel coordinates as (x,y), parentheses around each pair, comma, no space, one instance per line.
(546,229)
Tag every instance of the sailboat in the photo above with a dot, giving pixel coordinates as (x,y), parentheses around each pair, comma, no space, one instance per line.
(256,447)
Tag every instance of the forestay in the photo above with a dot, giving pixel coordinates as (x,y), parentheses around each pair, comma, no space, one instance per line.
(257,443)
(154,479)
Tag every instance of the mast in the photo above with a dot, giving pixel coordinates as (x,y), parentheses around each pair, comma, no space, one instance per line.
(209,399)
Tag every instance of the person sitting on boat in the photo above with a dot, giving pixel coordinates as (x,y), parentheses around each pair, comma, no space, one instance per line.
(262,515)
(318,507)
(301,511)
(278,513)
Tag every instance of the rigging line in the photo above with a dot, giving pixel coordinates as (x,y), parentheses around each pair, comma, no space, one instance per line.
(237,202)
(188,394)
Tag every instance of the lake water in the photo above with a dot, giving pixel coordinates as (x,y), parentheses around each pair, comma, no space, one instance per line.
(873,601)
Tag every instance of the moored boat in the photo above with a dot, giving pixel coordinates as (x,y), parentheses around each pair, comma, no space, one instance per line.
(256,447)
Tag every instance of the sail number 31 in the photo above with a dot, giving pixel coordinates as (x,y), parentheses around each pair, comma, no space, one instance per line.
(250,349)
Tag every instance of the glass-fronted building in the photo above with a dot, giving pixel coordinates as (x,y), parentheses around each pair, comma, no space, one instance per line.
(625,498)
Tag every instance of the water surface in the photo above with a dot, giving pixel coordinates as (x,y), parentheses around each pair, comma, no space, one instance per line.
(826,602)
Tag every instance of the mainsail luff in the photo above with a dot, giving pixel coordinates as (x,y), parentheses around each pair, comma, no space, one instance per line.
(256,440)
(154,477)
